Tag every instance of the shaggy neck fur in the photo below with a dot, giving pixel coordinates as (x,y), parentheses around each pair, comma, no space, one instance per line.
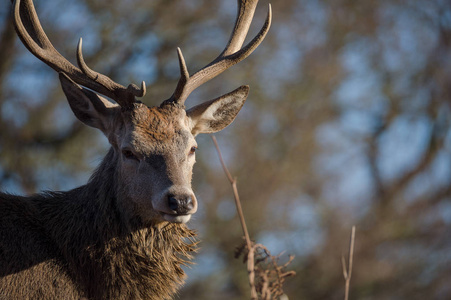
(109,253)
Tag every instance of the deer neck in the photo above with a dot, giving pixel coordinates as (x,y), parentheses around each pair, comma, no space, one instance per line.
(121,256)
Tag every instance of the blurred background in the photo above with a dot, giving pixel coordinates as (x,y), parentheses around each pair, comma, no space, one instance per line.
(348,122)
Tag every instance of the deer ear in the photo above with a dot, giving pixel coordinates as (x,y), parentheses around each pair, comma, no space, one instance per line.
(216,114)
(90,108)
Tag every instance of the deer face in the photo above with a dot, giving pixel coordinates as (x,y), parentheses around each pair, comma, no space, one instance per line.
(156,151)
(154,147)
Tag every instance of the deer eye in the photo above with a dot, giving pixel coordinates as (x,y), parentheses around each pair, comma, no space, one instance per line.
(128,154)
(192,150)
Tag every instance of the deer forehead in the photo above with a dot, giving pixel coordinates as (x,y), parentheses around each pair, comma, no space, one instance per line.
(161,127)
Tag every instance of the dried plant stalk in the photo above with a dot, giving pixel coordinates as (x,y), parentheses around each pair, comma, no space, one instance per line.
(266,276)
(347,271)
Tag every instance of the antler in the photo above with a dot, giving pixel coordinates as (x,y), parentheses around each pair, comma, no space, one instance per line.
(232,54)
(34,38)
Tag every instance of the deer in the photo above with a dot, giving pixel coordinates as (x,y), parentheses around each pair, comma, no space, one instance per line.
(124,234)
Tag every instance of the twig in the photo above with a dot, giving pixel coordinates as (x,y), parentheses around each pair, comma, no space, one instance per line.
(347,271)
(265,276)
(250,261)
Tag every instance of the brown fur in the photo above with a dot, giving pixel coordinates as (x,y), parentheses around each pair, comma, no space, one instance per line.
(80,244)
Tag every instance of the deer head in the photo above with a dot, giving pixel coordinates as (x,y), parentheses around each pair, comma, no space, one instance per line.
(154,147)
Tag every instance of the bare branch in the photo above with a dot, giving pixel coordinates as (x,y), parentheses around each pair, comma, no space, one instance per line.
(347,271)
(265,276)
(235,194)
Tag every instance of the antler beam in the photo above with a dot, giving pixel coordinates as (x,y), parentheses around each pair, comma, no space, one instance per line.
(34,38)
(231,55)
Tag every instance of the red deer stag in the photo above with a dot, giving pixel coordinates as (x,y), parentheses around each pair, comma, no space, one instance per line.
(123,234)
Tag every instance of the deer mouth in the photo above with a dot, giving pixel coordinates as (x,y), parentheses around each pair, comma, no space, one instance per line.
(173,218)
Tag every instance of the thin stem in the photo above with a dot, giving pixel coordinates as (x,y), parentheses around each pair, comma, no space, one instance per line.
(250,248)
(235,194)
(347,272)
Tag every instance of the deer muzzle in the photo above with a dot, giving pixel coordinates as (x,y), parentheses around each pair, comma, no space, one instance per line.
(177,205)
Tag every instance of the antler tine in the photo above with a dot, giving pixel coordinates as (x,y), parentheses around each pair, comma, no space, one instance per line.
(184,75)
(232,54)
(245,14)
(39,44)
(30,31)
(120,92)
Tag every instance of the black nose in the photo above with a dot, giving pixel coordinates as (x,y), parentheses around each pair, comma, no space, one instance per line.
(180,204)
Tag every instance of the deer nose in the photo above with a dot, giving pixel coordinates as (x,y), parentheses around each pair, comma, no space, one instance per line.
(182,205)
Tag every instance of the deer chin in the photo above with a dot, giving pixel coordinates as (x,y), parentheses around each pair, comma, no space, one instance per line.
(176,218)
